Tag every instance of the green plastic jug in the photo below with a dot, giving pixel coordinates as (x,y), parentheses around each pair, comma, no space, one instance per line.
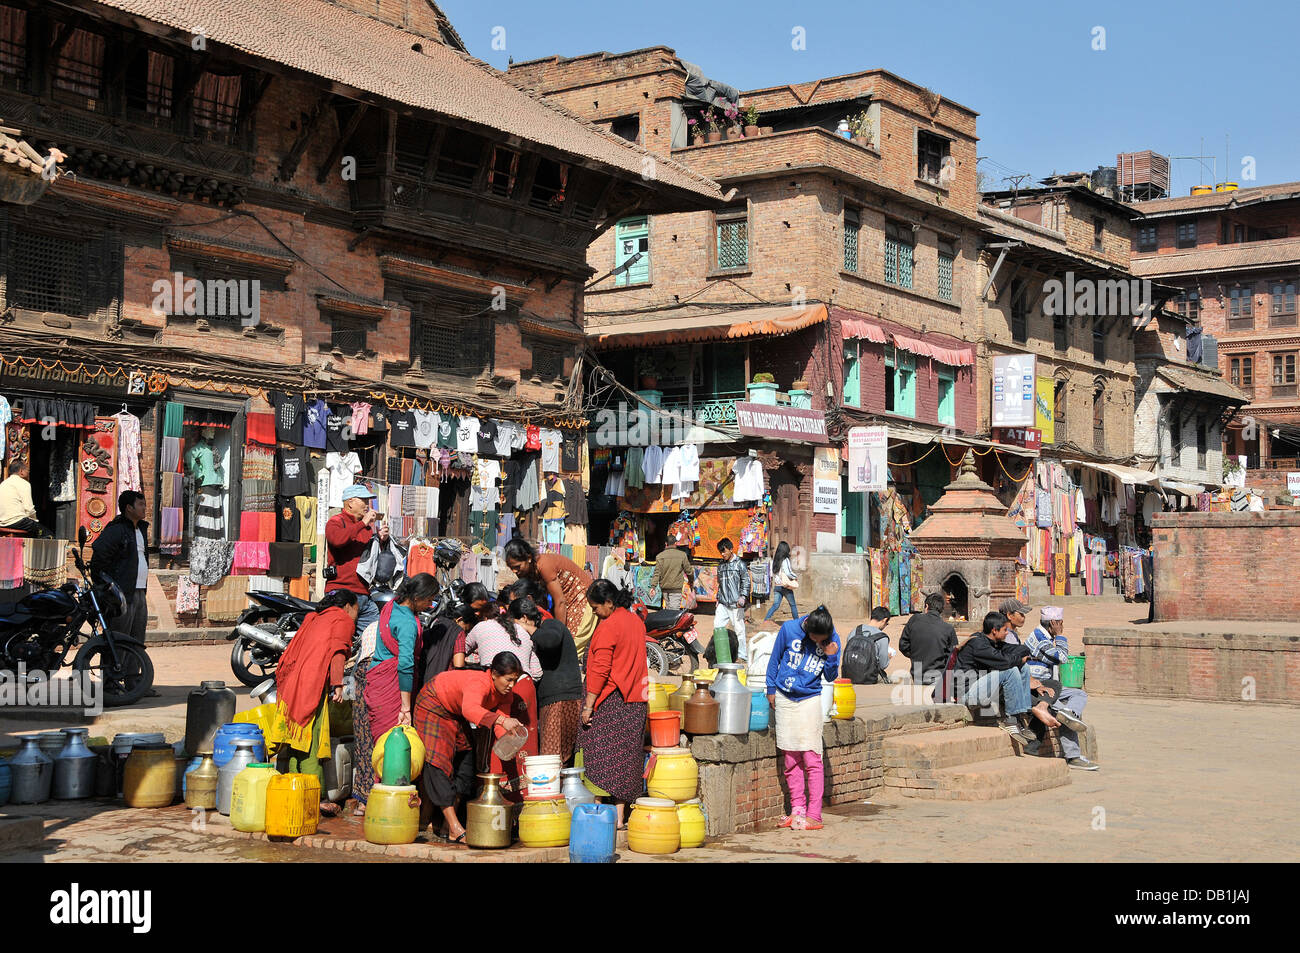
(397,760)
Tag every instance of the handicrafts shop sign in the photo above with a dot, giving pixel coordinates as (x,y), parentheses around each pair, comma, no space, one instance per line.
(868,459)
(826,480)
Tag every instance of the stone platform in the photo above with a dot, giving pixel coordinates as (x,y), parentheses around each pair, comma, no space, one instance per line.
(1221,660)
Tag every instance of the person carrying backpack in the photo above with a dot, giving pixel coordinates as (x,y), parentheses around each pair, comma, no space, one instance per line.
(867,652)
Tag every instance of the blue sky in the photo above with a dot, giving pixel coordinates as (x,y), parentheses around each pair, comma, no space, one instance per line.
(1048,102)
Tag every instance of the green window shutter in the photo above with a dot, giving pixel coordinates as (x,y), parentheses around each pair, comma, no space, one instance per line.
(905,383)
(632,235)
(852,375)
(947,398)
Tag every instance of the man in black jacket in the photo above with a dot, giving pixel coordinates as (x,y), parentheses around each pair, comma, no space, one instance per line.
(987,663)
(118,553)
(928,640)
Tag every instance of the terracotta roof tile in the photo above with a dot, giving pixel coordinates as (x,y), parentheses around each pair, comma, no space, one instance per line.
(1202,382)
(16,153)
(1219,258)
(356,51)
(1214,200)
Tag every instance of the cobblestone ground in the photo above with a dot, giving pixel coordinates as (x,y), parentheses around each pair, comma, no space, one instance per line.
(1180,780)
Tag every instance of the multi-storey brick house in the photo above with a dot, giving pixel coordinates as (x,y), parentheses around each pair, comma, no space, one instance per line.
(409,228)
(858,255)
(1235,256)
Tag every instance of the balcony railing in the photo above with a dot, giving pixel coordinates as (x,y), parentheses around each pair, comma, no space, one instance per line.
(1281,463)
(717,409)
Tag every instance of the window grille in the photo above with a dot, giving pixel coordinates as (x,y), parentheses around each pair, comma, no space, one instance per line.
(852,226)
(47,273)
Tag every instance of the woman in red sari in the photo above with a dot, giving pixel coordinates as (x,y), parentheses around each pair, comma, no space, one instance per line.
(614,716)
(310,671)
(444,711)
(386,674)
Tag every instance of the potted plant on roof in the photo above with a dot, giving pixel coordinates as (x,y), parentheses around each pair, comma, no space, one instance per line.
(647,368)
(751,121)
(863,129)
(710,119)
(697,131)
(732,114)
(762,390)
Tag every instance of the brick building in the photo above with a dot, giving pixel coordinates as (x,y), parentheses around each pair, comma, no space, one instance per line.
(1235,257)
(852,210)
(406,227)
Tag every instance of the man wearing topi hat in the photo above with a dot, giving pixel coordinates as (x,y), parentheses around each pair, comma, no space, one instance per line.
(1048,647)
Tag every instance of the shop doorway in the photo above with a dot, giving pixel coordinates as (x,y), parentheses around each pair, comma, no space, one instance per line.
(790,521)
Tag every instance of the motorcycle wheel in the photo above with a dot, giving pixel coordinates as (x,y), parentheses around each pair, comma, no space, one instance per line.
(656,658)
(247,664)
(126,684)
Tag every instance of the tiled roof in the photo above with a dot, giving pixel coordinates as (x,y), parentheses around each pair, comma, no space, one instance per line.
(706,324)
(1202,382)
(1215,200)
(362,53)
(16,153)
(1219,258)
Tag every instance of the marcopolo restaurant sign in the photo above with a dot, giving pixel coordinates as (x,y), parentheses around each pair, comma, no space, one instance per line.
(781,423)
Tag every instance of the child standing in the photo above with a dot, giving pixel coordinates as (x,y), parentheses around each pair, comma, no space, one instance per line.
(806,651)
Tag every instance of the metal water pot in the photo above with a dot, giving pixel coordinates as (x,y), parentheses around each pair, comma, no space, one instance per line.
(245,754)
(489,818)
(74,767)
(733,700)
(33,774)
(574,791)
(207,708)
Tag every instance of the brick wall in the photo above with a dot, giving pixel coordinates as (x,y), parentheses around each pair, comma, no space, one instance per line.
(1225,565)
(1206,663)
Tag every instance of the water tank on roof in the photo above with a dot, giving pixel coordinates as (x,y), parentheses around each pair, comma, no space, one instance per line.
(1201,190)
(1105,178)
(1226,187)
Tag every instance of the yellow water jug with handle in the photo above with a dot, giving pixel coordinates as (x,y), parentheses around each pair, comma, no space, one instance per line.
(693,822)
(248,797)
(292,805)
(417,750)
(392,814)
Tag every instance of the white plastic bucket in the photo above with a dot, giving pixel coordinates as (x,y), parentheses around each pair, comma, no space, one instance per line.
(543,775)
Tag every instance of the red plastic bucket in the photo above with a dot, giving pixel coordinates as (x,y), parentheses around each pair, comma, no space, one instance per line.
(665,729)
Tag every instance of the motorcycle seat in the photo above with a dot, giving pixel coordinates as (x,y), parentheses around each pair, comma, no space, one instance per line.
(16,618)
(662,620)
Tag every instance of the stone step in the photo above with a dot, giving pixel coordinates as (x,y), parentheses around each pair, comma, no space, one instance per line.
(985,780)
(921,754)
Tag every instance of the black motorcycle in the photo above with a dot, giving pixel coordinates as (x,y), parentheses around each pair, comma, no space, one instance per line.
(40,630)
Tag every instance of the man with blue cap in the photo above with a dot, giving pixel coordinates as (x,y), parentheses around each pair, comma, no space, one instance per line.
(347,534)
(1048,648)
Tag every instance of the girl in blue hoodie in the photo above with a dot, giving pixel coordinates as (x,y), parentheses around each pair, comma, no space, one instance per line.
(806,651)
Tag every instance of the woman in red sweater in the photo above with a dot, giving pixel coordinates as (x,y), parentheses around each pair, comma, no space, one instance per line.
(444,711)
(613,736)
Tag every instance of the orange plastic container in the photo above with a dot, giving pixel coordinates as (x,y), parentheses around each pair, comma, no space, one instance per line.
(665,729)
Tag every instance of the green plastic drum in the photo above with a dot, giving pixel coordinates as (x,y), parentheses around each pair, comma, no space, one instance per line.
(1072,672)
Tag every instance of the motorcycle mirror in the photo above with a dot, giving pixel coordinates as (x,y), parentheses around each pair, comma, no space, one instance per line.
(82,536)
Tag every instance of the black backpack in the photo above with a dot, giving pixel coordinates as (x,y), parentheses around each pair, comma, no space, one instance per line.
(860,665)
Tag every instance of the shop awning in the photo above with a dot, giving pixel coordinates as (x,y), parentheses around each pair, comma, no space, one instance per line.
(1204,382)
(864,330)
(1130,476)
(954,356)
(1179,486)
(924,437)
(706,325)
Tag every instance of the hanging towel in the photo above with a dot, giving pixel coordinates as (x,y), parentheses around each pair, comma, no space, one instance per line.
(171,455)
(43,561)
(171,489)
(173,418)
(285,560)
(11,563)
(300,588)
(251,558)
(169,530)
(210,560)
(128,452)
(227,599)
(260,428)
(187,596)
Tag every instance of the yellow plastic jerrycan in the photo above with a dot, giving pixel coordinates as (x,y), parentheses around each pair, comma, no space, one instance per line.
(653,827)
(292,805)
(248,797)
(675,774)
(694,827)
(417,750)
(544,823)
(392,814)
(846,699)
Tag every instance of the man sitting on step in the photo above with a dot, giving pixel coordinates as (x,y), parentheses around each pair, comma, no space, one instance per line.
(1048,648)
(985,665)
